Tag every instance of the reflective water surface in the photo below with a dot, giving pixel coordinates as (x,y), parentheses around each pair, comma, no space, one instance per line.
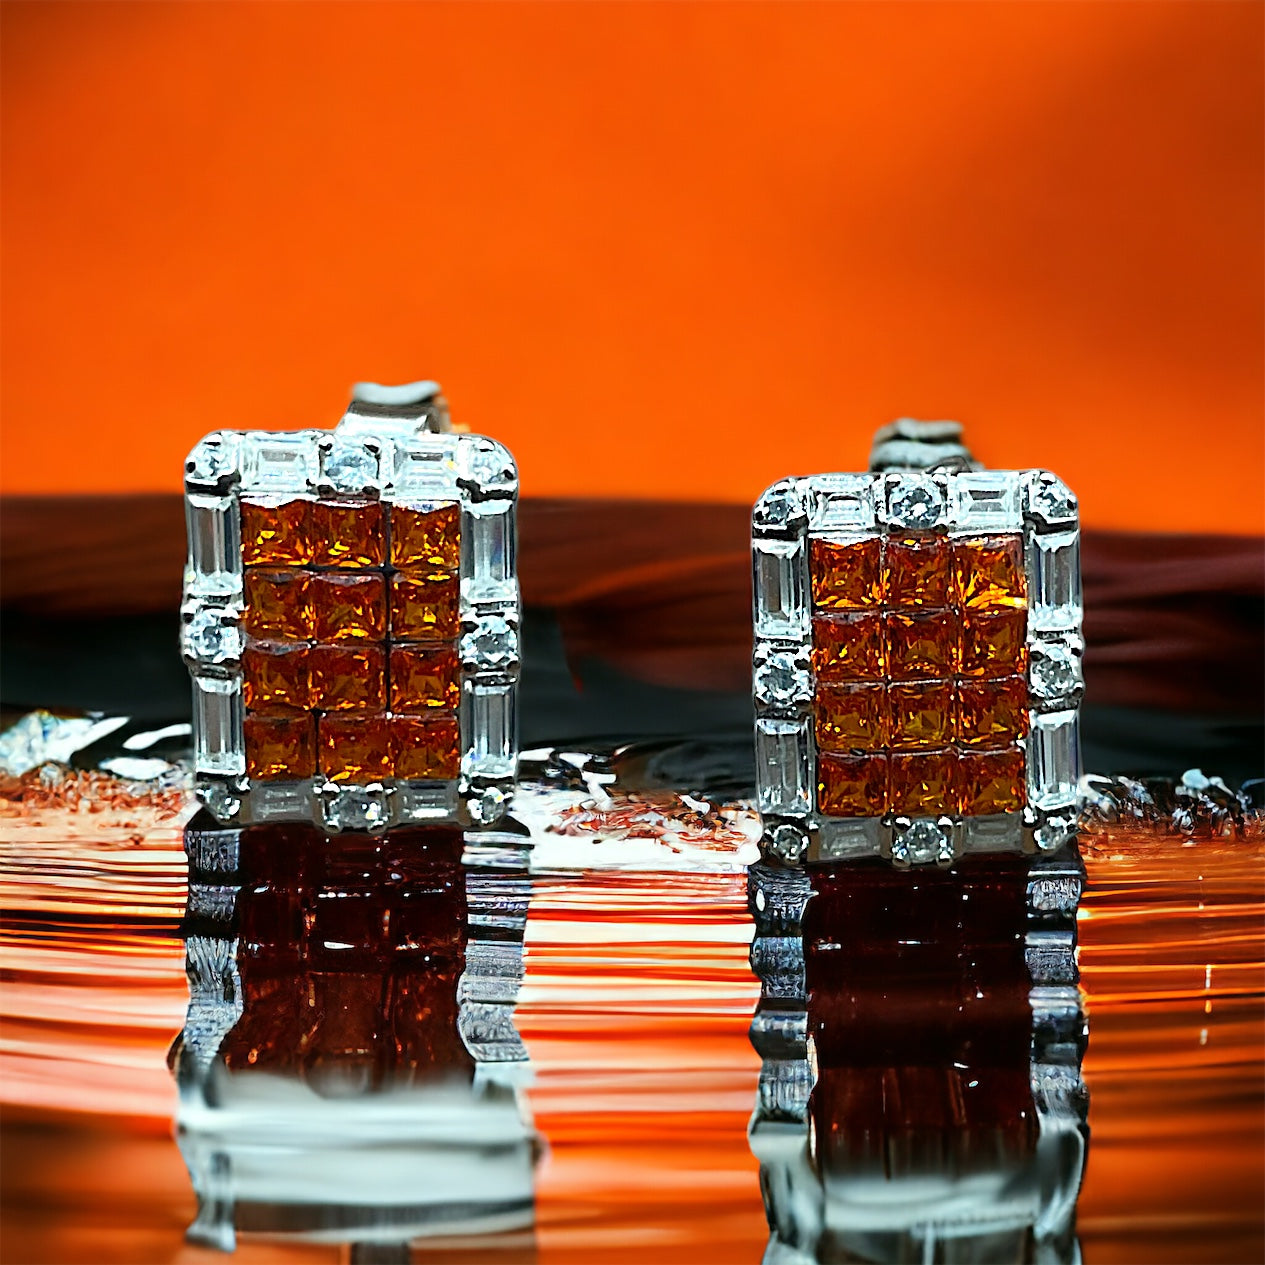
(552,1046)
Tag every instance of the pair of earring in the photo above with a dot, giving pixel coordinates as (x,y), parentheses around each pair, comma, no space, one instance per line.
(351,624)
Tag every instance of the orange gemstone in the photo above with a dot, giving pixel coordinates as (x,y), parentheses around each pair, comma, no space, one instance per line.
(278,605)
(426,537)
(925,784)
(993,642)
(992,713)
(922,644)
(845,574)
(275,677)
(849,647)
(349,678)
(988,571)
(348,607)
(851,718)
(276,535)
(921,715)
(917,571)
(993,782)
(347,534)
(424,607)
(426,747)
(279,748)
(355,748)
(852,785)
(423,677)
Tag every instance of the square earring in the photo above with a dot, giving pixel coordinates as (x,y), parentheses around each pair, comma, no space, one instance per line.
(917,664)
(351,619)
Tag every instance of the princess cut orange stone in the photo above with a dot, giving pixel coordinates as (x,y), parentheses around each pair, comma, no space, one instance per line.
(424,677)
(278,606)
(921,644)
(925,784)
(988,571)
(426,747)
(852,718)
(275,678)
(426,537)
(993,642)
(348,607)
(917,571)
(349,678)
(846,574)
(849,647)
(992,713)
(852,785)
(347,534)
(279,748)
(424,607)
(276,535)
(993,782)
(921,715)
(937,626)
(355,748)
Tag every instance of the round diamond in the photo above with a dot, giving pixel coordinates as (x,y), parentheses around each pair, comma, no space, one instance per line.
(356,808)
(490,466)
(916,505)
(1055,672)
(787,841)
(778,506)
(492,642)
(210,461)
(221,802)
(780,680)
(921,844)
(210,640)
(1053,833)
(489,805)
(350,468)
(1052,500)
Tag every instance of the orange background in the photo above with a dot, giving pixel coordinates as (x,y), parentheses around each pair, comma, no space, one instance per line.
(661,248)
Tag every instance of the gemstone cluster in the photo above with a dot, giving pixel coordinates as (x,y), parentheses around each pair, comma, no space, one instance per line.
(917,663)
(351,662)
(350,622)
(919,650)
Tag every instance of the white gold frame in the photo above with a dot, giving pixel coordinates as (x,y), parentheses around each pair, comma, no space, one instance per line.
(846,507)
(369,458)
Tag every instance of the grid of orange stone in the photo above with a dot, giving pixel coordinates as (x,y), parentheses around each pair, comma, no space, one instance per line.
(919,658)
(351,615)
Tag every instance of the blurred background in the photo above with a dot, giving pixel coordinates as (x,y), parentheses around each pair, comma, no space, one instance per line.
(661,250)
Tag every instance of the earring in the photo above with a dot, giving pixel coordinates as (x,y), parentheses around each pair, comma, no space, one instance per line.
(350,619)
(917,666)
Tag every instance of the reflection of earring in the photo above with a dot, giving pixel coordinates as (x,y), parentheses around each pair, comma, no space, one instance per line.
(349,1059)
(350,619)
(921,1046)
(917,656)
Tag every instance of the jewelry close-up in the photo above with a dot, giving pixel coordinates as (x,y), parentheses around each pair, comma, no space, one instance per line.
(350,619)
(917,662)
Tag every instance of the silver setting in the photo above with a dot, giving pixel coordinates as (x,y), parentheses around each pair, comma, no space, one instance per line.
(401,454)
(960,499)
